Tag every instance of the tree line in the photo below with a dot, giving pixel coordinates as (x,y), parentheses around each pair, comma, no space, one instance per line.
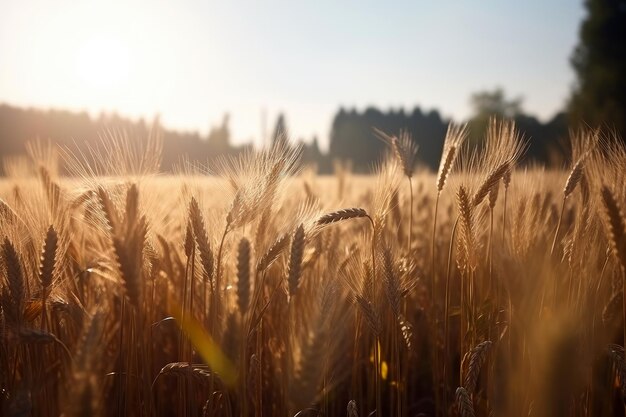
(598,99)
(352,139)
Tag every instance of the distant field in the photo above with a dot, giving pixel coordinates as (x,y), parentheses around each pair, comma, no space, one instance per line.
(483,289)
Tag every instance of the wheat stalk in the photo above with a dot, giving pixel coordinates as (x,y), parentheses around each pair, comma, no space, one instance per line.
(352,409)
(477,358)
(6,212)
(274,251)
(48,259)
(108,207)
(294,270)
(372,318)
(404,149)
(341,215)
(445,167)
(204,249)
(490,181)
(15,282)
(464,403)
(575,175)
(243,275)
(202,240)
(466,241)
(46,268)
(455,136)
(617,230)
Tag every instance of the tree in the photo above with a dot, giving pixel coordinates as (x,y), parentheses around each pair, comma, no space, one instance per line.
(494,103)
(219,138)
(352,136)
(487,104)
(599,60)
(280,131)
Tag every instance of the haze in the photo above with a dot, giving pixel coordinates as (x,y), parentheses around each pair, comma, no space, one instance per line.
(192,61)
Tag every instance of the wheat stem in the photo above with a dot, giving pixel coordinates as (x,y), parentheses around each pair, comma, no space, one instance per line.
(506,189)
(218,283)
(433,297)
(491,250)
(558,227)
(447,314)
(410,217)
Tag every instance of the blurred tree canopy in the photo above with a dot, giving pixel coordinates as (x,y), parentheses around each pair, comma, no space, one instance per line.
(495,103)
(78,132)
(599,60)
(487,104)
(352,137)
(543,138)
(219,137)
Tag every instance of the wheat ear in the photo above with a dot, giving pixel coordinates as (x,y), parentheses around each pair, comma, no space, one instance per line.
(270,256)
(340,215)
(477,358)
(46,268)
(295,260)
(617,230)
(489,182)
(464,403)
(15,281)
(243,275)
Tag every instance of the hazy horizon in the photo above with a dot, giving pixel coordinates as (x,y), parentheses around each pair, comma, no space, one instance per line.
(191,62)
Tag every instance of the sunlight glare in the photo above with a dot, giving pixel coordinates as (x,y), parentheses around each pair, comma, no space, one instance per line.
(102,62)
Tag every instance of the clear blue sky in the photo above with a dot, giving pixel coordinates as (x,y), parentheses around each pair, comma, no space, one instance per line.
(191,61)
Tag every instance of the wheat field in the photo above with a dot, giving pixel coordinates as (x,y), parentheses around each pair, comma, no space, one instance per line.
(253,287)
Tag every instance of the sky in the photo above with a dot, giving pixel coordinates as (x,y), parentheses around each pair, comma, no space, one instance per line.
(191,61)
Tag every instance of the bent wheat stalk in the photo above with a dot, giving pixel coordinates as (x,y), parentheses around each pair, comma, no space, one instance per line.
(572,180)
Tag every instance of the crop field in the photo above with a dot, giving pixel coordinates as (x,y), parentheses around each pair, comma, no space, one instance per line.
(253,287)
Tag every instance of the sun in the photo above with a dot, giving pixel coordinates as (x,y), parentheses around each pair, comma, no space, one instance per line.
(102,62)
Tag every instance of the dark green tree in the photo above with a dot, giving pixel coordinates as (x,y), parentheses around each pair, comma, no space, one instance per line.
(599,60)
